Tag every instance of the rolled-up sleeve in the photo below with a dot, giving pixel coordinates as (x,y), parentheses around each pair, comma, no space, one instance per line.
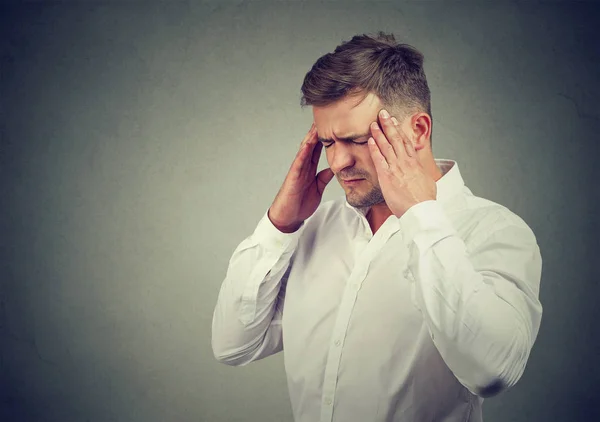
(246,324)
(480,303)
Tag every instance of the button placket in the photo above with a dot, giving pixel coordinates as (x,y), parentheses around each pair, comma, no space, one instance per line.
(340,328)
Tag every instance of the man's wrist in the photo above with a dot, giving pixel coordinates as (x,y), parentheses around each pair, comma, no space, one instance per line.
(284,228)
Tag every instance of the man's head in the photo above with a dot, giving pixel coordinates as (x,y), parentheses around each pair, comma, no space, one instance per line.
(348,87)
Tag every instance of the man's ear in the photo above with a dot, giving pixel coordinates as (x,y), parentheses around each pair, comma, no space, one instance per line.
(420,130)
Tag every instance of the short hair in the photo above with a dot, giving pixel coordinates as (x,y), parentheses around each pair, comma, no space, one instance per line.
(370,64)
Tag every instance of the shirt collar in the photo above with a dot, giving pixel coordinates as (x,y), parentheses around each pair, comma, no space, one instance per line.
(450,184)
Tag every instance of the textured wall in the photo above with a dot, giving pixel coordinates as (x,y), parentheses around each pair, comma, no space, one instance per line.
(141,142)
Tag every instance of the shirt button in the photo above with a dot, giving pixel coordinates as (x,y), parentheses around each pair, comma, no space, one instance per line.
(328,401)
(337,342)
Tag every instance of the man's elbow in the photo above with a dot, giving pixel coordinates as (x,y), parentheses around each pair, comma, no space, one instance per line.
(503,368)
(231,360)
(499,381)
(229,357)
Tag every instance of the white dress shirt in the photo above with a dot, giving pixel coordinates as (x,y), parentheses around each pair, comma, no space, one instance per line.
(418,322)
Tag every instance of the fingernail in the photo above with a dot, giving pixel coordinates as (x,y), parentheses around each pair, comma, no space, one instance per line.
(383,113)
(395,121)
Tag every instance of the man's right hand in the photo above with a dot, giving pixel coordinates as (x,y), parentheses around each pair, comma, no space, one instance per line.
(302,190)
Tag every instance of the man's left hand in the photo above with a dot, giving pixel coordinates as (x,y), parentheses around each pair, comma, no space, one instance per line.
(403,180)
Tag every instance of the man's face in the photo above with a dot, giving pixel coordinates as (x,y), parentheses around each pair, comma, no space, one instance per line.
(343,128)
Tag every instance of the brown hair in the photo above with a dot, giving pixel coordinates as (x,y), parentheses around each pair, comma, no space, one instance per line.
(370,64)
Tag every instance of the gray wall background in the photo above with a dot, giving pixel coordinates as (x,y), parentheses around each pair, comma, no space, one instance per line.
(142,142)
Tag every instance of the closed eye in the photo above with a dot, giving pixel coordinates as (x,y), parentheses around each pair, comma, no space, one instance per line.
(355,143)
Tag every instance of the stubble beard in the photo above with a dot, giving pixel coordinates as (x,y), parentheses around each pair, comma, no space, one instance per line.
(372,197)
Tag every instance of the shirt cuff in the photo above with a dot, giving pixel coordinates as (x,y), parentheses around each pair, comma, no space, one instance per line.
(425,223)
(272,239)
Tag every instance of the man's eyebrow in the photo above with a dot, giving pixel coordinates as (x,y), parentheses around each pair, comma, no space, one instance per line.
(349,138)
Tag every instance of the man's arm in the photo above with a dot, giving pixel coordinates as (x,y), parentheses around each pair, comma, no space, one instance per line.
(247,319)
(481,306)
(246,323)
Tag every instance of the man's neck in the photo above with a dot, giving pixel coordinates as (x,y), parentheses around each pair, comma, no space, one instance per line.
(377,216)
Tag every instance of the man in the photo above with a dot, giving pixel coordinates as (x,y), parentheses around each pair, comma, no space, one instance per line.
(410,299)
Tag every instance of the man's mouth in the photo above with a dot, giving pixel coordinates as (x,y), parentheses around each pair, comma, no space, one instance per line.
(352,181)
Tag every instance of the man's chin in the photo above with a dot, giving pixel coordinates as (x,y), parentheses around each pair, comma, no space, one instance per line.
(356,204)
(363,202)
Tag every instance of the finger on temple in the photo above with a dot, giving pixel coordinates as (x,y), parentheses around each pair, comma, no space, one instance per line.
(316,154)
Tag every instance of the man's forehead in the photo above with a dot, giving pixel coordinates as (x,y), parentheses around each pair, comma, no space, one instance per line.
(369,100)
(346,116)
(359,102)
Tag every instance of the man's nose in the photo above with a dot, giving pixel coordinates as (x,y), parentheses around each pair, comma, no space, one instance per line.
(341,157)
